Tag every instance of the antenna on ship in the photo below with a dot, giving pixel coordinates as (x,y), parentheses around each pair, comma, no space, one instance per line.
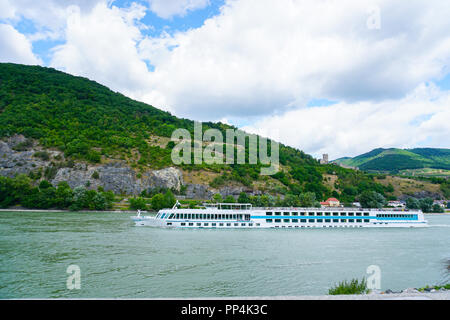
(175,206)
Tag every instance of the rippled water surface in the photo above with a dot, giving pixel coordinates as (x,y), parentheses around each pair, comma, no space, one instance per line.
(119,260)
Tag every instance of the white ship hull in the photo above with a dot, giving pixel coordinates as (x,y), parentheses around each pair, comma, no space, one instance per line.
(282,218)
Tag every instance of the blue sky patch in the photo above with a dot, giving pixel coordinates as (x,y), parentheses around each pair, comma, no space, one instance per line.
(320,103)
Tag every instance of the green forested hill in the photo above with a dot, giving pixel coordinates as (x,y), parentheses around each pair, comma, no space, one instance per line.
(89,122)
(92,124)
(394,160)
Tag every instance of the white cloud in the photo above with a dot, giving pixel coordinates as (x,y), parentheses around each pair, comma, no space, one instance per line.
(261,61)
(49,17)
(169,8)
(101,45)
(7,10)
(419,119)
(262,57)
(15,47)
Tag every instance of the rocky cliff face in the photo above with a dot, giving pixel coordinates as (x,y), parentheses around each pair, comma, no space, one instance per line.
(14,162)
(114,176)
(119,178)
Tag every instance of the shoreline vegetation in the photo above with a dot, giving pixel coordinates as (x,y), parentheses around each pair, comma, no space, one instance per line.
(359,287)
(22,192)
(19,209)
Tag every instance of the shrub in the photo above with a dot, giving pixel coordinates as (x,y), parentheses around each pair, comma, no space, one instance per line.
(23,146)
(44,184)
(350,287)
(243,198)
(229,199)
(217,198)
(42,155)
(157,201)
(50,172)
(437,208)
(412,203)
(372,199)
(426,204)
(137,204)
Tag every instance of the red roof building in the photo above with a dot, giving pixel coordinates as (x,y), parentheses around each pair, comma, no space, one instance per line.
(331,202)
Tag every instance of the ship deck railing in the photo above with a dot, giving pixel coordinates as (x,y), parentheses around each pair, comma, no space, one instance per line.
(248,206)
(333,209)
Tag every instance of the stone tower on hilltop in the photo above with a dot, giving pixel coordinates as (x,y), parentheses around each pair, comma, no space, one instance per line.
(324,159)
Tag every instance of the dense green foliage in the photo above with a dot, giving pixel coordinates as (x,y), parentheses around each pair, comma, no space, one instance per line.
(21,191)
(425,204)
(353,183)
(79,116)
(307,199)
(393,160)
(137,203)
(371,199)
(88,121)
(350,287)
(445,188)
(157,202)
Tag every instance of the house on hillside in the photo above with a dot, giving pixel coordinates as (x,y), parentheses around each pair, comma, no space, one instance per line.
(331,202)
(441,203)
(396,204)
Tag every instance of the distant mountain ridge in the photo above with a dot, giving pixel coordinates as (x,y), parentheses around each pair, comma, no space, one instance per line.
(394,159)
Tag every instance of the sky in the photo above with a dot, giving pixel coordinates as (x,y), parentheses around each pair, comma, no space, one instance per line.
(337,77)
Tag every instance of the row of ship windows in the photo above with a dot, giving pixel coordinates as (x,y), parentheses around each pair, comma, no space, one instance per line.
(396,215)
(315,220)
(323,226)
(206,224)
(200,216)
(350,214)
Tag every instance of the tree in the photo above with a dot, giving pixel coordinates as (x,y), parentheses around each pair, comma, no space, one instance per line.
(63,195)
(390,188)
(80,199)
(139,203)
(109,196)
(291,200)
(157,201)
(217,198)
(371,199)
(7,197)
(263,201)
(99,202)
(437,208)
(229,199)
(272,200)
(44,184)
(412,203)
(243,198)
(426,204)
(169,199)
(307,199)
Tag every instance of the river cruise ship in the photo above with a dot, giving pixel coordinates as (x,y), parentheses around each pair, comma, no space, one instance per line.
(243,215)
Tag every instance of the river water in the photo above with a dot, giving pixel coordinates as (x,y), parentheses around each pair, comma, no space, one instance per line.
(118,260)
